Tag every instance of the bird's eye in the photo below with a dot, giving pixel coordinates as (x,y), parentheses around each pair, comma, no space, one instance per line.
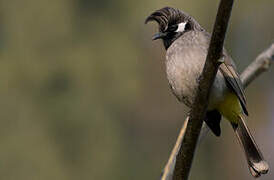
(172,28)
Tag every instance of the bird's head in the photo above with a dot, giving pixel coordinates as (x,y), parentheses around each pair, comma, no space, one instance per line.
(172,24)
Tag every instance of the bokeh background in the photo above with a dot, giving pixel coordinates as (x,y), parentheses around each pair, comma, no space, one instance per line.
(84,94)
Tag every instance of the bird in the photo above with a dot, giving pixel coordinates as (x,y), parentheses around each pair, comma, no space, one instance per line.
(186,43)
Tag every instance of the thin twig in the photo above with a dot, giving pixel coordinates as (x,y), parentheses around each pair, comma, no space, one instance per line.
(260,65)
(168,170)
(198,110)
(252,71)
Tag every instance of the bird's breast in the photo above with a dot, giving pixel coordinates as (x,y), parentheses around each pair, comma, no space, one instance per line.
(183,75)
(185,60)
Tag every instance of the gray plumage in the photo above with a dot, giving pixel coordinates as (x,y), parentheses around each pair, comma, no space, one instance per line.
(183,74)
(187,44)
(193,46)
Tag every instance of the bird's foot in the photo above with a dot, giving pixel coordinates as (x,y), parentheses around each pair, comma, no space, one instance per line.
(221,60)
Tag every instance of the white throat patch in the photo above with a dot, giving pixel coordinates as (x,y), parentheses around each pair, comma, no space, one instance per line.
(181,27)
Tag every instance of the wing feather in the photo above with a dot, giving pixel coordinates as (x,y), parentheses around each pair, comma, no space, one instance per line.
(232,78)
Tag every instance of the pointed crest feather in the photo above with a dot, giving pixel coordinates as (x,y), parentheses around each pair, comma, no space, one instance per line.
(170,16)
(164,17)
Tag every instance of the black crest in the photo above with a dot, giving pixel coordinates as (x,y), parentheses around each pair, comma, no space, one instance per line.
(169,16)
(166,16)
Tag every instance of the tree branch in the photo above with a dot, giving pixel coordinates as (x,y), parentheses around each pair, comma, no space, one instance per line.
(255,69)
(260,65)
(169,168)
(198,110)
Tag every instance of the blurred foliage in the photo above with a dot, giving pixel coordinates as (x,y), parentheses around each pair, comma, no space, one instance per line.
(84,94)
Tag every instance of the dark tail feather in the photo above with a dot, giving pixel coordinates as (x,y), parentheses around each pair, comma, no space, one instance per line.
(257,164)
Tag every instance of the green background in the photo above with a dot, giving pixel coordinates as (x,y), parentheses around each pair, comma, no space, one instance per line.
(84,94)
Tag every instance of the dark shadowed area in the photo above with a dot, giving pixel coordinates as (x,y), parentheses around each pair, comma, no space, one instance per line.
(84,93)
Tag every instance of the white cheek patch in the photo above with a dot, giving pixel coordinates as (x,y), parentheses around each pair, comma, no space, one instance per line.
(181,27)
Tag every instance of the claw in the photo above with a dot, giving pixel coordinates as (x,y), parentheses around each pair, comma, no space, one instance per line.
(221,60)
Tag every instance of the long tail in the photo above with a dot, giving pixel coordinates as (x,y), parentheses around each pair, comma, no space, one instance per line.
(257,164)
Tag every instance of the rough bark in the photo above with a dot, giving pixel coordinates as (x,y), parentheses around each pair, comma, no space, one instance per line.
(198,110)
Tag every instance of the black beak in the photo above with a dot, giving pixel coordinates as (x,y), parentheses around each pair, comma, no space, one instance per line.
(159,35)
